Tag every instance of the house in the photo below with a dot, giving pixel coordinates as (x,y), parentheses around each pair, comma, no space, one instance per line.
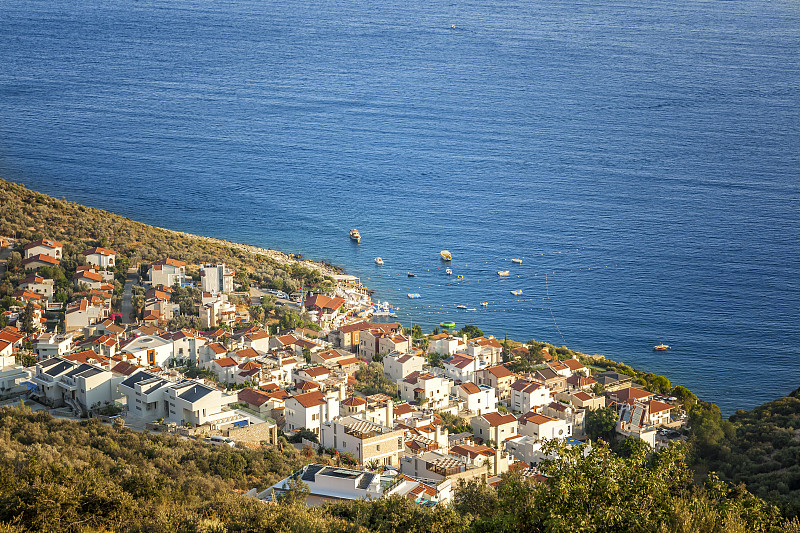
(184,402)
(576,382)
(497,377)
(550,379)
(12,375)
(543,427)
(527,395)
(216,279)
(101,257)
(149,350)
(310,410)
(257,340)
(473,454)
(629,395)
(329,357)
(574,417)
(576,367)
(460,368)
(84,313)
(38,285)
(256,400)
(323,307)
(312,373)
(224,368)
(284,342)
(217,313)
(329,484)
(367,441)
(348,335)
(658,412)
(398,365)
(378,342)
(348,366)
(39,260)
(105,345)
(43,247)
(426,389)
(494,427)
(167,272)
(559,368)
(582,399)
(613,381)
(49,345)
(479,399)
(81,386)
(634,421)
(445,344)
(486,350)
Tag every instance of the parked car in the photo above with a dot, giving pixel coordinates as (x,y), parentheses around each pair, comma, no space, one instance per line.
(218,440)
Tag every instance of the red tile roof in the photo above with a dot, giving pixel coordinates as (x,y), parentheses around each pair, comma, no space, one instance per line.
(47,243)
(310,399)
(225,362)
(100,251)
(497,419)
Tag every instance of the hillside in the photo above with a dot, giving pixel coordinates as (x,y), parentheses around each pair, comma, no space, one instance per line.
(30,215)
(760,448)
(58,475)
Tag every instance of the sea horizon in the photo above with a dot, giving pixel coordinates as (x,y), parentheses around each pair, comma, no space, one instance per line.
(641,160)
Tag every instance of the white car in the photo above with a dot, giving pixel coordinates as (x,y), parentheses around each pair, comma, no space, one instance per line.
(218,440)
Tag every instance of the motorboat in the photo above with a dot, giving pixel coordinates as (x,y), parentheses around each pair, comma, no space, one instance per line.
(378,261)
(446,256)
(355,235)
(661,347)
(484,304)
(517,292)
(502,273)
(517,261)
(449,271)
(413,295)
(412,275)
(471,309)
(461,307)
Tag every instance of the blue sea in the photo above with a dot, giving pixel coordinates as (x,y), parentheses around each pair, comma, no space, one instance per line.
(641,158)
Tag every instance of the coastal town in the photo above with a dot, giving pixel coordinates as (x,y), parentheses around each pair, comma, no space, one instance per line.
(206,353)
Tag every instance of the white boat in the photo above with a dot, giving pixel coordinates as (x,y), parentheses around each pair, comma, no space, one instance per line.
(471,309)
(661,347)
(517,261)
(378,261)
(502,273)
(449,271)
(355,235)
(446,255)
(517,292)
(484,304)
(461,307)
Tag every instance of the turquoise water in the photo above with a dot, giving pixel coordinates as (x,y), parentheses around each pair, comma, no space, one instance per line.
(641,158)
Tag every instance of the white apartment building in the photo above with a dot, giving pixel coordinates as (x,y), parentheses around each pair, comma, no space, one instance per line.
(367,441)
(216,279)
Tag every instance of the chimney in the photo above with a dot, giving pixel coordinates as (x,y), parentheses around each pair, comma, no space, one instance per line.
(390,414)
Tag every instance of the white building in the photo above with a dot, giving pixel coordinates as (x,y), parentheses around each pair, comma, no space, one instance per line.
(366,440)
(486,350)
(444,344)
(310,410)
(167,272)
(149,350)
(527,395)
(12,375)
(80,385)
(479,399)
(216,279)
(38,285)
(82,314)
(217,313)
(101,257)
(544,427)
(432,391)
(460,368)
(53,344)
(633,421)
(398,365)
(43,247)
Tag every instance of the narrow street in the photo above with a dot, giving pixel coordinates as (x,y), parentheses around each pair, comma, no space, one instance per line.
(127,295)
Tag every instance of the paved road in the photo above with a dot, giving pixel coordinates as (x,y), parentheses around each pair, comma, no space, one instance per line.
(127,295)
(4,253)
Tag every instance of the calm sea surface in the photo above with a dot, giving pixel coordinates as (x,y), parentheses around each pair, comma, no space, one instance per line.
(642,158)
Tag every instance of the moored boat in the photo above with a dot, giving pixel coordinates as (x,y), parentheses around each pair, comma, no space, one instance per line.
(378,261)
(413,295)
(661,347)
(461,307)
(517,261)
(502,273)
(446,255)
(517,292)
(355,235)
(484,304)
(449,271)
(412,275)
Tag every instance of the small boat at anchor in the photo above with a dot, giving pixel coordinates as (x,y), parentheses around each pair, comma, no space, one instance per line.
(517,292)
(446,256)
(460,276)
(413,295)
(661,347)
(517,261)
(379,261)
(412,275)
(461,307)
(449,271)
(355,235)
(448,325)
(502,273)
(484,304)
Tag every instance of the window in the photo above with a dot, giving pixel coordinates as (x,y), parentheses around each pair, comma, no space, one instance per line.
(378,448)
